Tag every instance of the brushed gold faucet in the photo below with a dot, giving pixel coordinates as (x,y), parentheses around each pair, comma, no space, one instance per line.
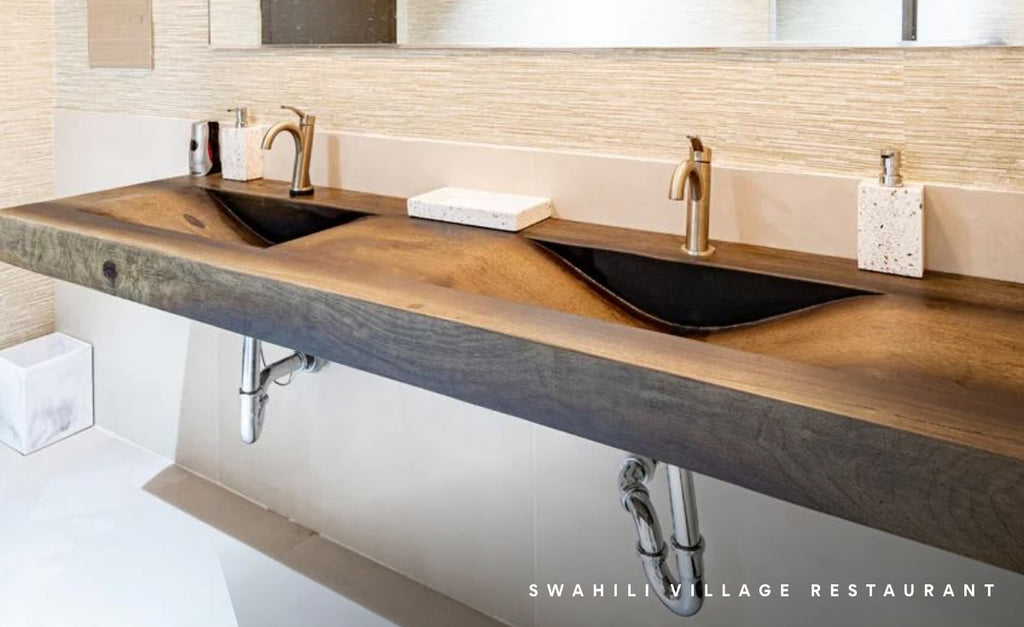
(302,133)
(694,176)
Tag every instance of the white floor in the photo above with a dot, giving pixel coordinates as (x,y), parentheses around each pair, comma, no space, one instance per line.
(96,531)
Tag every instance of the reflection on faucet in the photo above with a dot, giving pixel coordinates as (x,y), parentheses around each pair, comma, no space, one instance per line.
(302,133)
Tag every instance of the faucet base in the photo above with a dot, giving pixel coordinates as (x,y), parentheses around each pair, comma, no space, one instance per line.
(294,193)
(701,254)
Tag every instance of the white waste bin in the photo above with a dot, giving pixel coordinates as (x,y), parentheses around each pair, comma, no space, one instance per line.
(45,391)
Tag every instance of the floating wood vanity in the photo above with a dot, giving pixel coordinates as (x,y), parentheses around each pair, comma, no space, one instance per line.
(894,403)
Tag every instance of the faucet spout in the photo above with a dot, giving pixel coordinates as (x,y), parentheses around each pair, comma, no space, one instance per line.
(685,175)
(282,127)
(302,133)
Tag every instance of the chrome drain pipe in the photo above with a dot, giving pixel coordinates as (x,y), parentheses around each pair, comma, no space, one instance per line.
(682,590)
(256,381)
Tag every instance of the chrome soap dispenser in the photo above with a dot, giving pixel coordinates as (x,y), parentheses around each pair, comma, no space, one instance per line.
(241,154)
(890,222)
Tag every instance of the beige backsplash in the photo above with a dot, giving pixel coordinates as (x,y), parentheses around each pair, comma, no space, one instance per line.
(958,113)
(968,231)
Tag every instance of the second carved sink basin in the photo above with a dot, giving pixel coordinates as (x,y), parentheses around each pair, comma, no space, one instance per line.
(228,216)
(276,221)
(686,297)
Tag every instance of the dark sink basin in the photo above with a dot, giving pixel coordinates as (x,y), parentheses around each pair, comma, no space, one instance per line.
(691,297)
(276,220)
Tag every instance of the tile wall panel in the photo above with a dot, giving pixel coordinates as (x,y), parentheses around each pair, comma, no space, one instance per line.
(26,153)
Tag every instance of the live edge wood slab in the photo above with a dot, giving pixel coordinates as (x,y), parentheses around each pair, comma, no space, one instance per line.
(902,411)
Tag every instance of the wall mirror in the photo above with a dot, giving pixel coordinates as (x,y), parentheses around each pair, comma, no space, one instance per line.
(615,23)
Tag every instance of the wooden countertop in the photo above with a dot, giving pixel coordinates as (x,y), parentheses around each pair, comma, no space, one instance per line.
(902,411)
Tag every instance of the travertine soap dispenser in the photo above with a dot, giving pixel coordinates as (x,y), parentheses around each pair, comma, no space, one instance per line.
(241,153)
(890,222)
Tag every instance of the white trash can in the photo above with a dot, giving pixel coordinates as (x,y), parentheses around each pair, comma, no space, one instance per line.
(45,391)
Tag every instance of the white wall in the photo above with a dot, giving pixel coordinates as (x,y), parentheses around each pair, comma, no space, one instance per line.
(473,503)
(583,23)
(976,22)
(839,22)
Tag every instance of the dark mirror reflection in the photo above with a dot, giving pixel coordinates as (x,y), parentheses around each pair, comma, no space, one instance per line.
(320,22)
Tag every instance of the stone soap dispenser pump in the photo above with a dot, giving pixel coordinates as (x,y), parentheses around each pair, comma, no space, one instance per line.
(240,147)
(890,222)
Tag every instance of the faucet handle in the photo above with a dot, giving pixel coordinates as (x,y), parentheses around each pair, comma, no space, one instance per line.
(304,117)
(698,151)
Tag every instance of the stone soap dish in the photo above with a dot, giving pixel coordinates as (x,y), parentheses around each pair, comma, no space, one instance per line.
(505,212)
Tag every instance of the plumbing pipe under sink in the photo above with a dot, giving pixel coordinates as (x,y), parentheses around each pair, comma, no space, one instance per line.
(681,590)
(256,383)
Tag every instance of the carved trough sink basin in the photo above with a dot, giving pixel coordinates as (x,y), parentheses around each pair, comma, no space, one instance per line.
(252,220)
(276,220)
(684,297)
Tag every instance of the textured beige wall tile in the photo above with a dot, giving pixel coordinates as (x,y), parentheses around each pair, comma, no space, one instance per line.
(965,117)
(826,111)
(26,101)
(26,306)
(26,159)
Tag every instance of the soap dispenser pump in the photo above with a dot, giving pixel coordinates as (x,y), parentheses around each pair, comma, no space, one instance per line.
(241,153)
(890,221)
(241,116)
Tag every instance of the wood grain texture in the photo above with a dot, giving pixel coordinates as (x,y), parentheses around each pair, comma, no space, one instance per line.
(478,261)
(915,343)
(939,464)
(325,196)
(956,113)
(175,209)
(26,153)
